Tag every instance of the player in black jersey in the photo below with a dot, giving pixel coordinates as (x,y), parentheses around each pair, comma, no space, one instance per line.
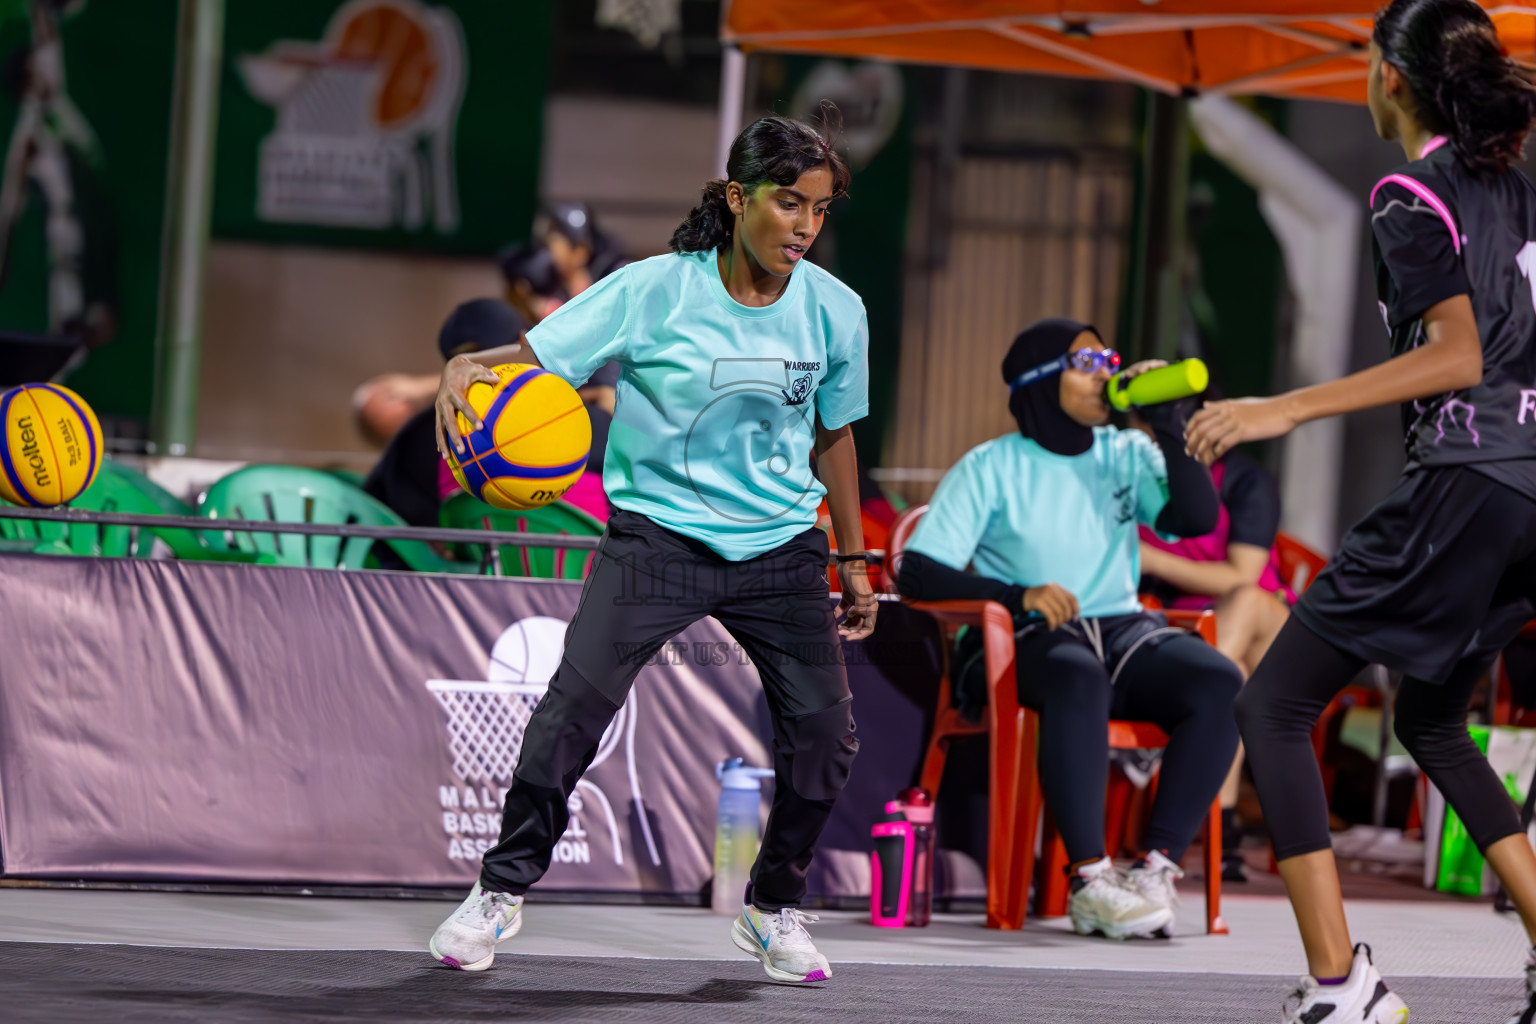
(1438,578)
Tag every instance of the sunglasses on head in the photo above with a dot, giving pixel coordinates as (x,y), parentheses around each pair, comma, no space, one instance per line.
(1087,360)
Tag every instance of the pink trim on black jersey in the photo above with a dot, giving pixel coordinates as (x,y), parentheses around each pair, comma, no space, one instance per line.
(1418,188)
(1432,145)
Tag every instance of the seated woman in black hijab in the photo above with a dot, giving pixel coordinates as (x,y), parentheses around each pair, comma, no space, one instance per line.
(1047,518)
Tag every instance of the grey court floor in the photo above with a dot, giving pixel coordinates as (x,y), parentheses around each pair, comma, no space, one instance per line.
(134,956)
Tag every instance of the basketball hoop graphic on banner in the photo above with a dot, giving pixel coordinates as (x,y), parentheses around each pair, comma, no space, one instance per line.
(486,722)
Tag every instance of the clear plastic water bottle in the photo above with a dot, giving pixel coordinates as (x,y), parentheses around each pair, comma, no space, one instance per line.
(736,832)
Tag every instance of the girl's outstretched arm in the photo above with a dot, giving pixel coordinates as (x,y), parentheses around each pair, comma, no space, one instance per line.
(838,466)
(1451,359)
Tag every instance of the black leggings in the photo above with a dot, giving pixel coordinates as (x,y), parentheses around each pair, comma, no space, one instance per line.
(1297,679)
(1180,683)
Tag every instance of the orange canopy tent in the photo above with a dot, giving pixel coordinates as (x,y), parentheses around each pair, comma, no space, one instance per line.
(1303,48)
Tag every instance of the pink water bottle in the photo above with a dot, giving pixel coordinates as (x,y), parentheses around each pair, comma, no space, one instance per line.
(901,890)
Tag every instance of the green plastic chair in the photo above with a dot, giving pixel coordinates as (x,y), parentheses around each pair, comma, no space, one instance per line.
(350,476)
(35,536)
(117,488)
(466,512)
(289,494)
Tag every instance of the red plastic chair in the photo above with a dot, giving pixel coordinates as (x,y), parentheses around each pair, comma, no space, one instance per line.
(901,532)
(1016,800)
(1505,711)
(1299,564)
(1012,747)
(948,723)
(875,537)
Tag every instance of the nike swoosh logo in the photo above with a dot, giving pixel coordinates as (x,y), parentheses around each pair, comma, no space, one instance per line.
(755,933)
(502,926)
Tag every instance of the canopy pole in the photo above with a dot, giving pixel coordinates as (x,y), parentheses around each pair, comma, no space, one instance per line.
(189,198)
(1159,276)
(733,88)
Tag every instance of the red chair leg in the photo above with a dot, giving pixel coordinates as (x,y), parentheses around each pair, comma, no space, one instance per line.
(1416,809)
(1117,807)
(933,763)
(1029,816)
(1136,816)
(1501,711)
(999,853)
(1027,823)
(1015,789)
(1052,882)
(1214,925)
(1015,796)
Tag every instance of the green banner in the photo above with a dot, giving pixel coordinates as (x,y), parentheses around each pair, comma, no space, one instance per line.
(382,123)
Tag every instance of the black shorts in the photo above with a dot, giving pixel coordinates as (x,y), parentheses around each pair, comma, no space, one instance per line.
(1443,569)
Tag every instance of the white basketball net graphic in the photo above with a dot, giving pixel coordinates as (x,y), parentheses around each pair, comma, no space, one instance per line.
(486,721)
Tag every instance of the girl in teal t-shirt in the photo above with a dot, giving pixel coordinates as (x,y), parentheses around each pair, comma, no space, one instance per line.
(739,361)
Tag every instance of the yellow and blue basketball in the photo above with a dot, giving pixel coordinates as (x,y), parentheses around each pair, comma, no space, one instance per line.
(534,442)
(51,447)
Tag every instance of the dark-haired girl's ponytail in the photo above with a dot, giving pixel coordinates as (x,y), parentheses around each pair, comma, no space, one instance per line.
(1464,85)
(1483,99)
(708,225)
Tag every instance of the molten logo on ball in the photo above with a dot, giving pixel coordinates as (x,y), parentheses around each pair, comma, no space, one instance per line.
(32,454)
(50,445)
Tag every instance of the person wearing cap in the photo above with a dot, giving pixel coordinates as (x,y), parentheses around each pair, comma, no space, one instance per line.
(532,283)
(581,251)
(409,475)
(534,288)
(384,404)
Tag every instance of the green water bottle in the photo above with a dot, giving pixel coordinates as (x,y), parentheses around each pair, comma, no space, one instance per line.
(1164,384)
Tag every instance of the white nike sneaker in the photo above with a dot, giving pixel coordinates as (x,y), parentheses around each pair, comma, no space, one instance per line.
(1110,904)
(781,942)
(1362,999)
(1527,1014)
(1154,879)
(467,940)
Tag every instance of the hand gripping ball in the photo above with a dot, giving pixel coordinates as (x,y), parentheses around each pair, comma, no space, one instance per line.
(534,442)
